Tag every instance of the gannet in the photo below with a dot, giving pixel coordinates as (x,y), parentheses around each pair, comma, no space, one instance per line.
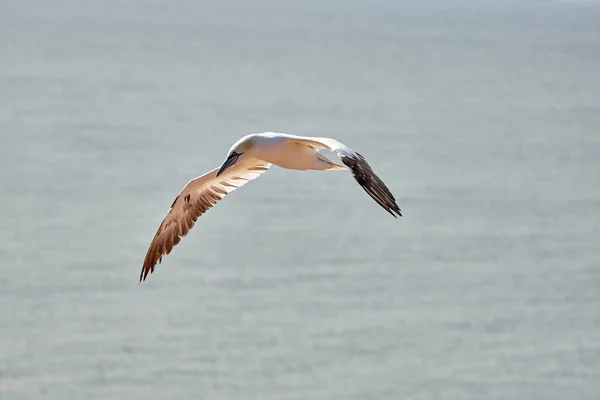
(246,160)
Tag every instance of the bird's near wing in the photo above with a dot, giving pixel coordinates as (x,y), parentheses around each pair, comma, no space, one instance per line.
(195,199)
(362,171)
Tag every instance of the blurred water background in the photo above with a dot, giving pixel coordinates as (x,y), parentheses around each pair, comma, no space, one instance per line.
(482,117)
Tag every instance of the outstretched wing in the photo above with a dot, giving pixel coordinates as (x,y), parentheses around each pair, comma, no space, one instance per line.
(195,199)
(362,171)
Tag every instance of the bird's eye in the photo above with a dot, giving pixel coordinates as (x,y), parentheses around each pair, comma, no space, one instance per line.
(233,154)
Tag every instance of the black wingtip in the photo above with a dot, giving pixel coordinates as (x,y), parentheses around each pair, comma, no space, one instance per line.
(144,273)
(372,184)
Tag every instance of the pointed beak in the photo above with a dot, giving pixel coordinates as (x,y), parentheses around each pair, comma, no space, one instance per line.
(228,163)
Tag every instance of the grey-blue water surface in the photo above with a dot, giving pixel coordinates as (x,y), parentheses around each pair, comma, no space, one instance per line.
(483,118)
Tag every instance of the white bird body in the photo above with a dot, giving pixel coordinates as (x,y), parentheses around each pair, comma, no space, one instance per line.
(247,159)
(289,151)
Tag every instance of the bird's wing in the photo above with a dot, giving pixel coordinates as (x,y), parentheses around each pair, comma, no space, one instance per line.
(195,199)
(362,171)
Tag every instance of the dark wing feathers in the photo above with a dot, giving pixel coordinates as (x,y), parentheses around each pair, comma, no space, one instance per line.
(362,171)
(371,183)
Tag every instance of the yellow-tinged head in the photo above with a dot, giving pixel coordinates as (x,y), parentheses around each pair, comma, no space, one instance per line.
(239,149)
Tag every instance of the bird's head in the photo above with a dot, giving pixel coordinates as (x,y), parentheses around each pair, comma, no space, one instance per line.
(239,150)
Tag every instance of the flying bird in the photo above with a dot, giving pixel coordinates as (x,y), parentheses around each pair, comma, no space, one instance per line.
(247,159)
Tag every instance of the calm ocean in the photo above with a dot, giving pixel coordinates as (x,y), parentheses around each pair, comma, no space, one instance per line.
(482,117)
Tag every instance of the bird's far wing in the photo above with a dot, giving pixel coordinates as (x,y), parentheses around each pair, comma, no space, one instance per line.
(195,199)
(362,171)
